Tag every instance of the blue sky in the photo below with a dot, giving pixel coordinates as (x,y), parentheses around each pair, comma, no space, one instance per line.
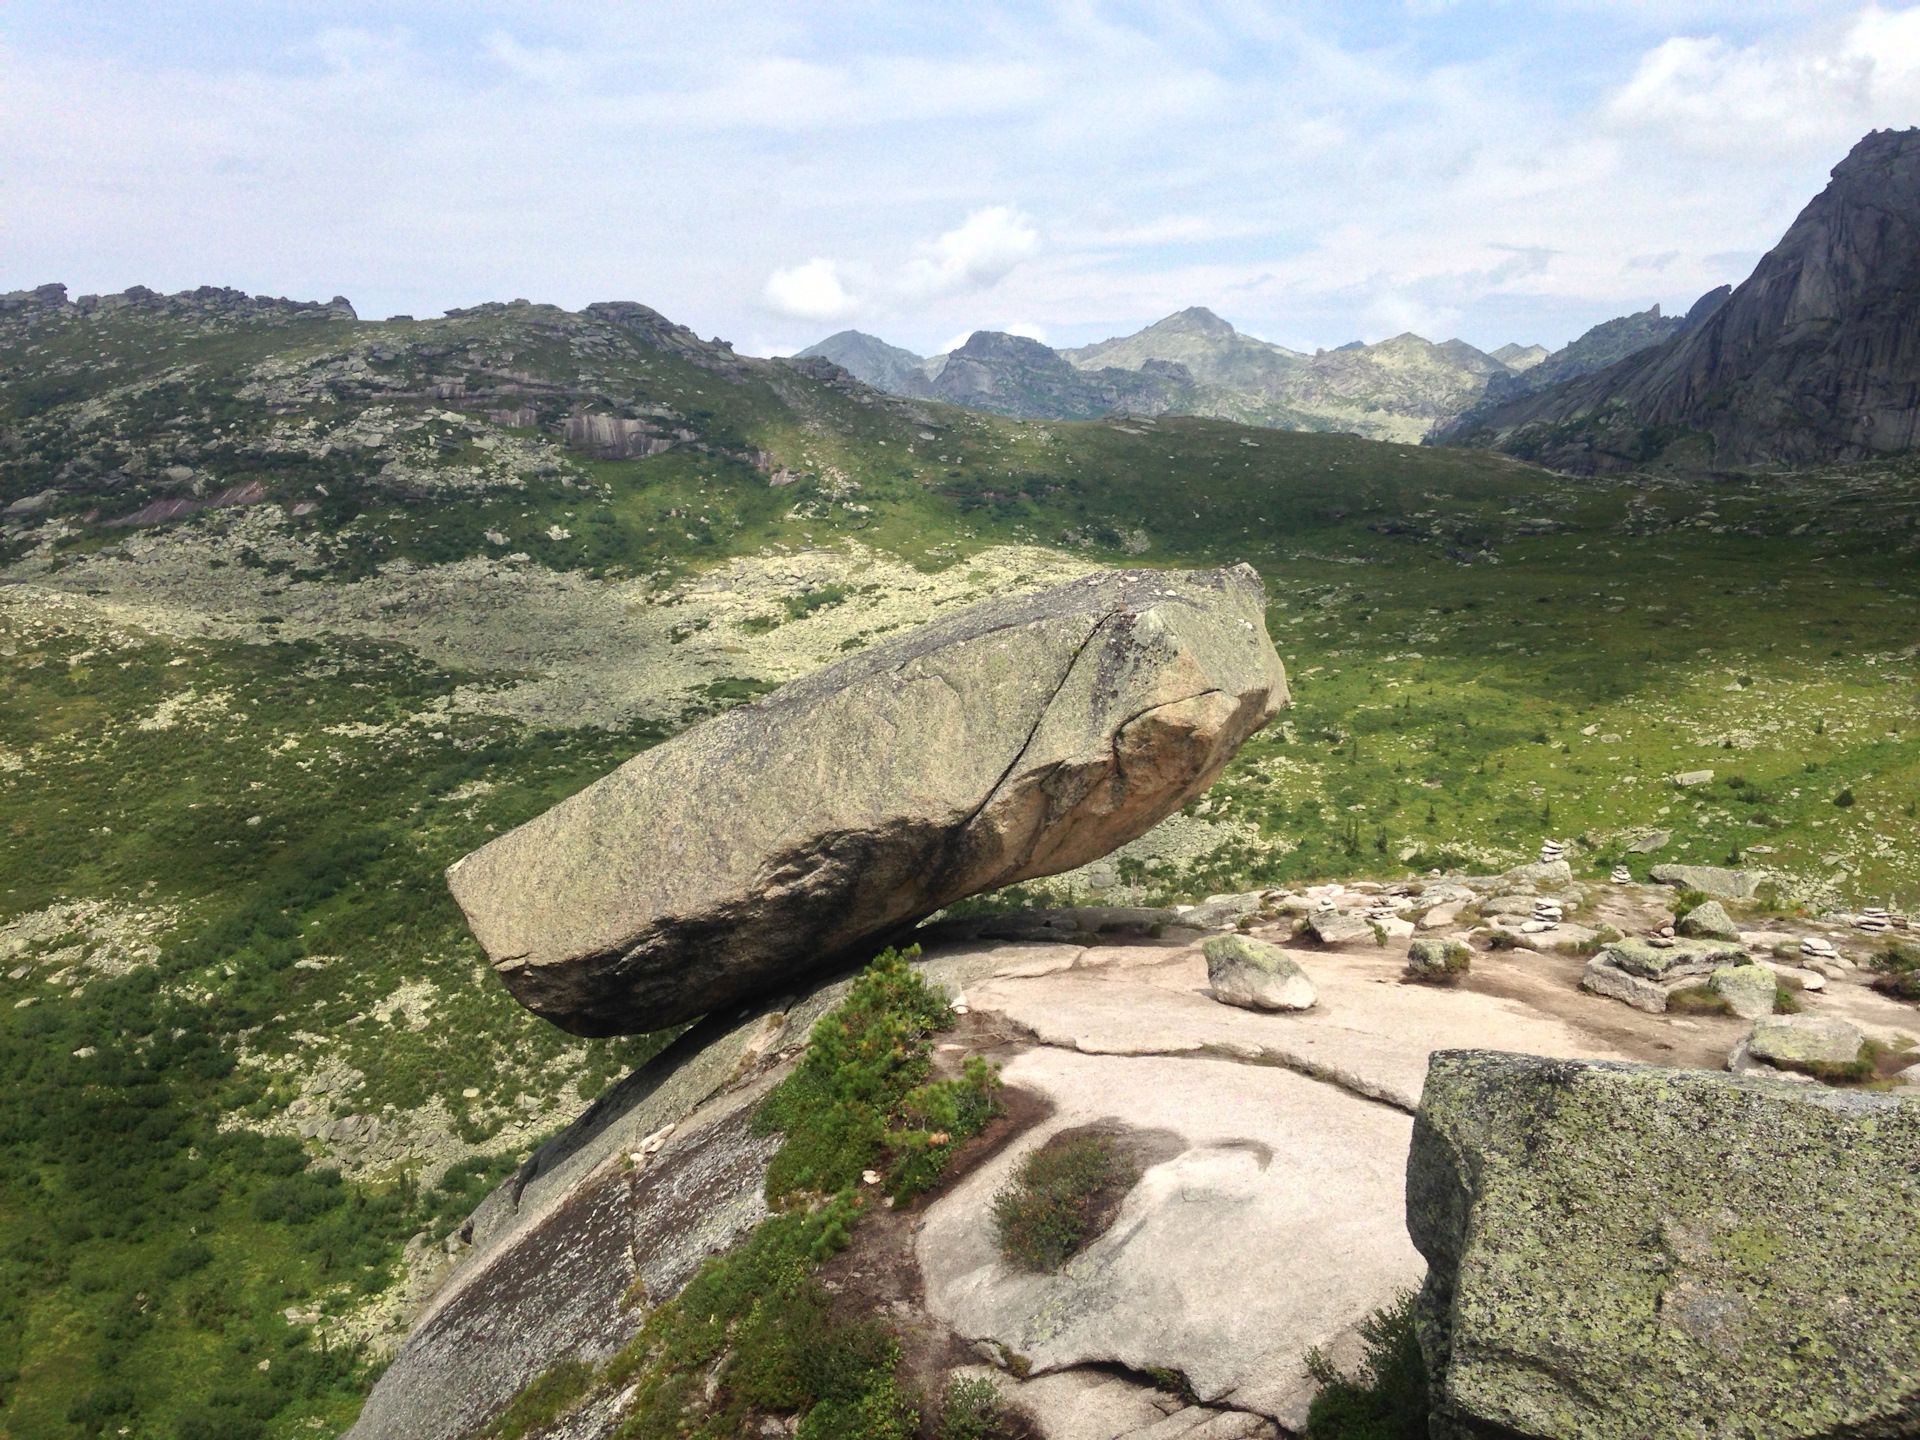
(773,172)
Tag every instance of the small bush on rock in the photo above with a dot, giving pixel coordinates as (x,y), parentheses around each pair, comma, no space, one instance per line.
(541,1403)
(1387,1399)
(971,1410)
(1064,1194)
(862,1092)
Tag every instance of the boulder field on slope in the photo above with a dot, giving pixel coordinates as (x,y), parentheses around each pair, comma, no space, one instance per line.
(1622,1251)
(1018,738)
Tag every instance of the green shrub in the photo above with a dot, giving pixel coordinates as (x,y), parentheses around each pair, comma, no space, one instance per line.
(970,1409)
(549,1397)
(1898,972)
(862,1061)
(754,1327)
(1387,1399)
(1688,900)
(1698,1000)
(1060,1198)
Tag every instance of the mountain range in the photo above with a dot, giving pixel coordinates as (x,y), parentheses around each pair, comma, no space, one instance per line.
(1813,358)
(1195,363)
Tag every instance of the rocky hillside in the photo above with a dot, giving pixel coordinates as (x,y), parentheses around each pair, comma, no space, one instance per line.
(1605,344)
(1809,360)
(1195,363)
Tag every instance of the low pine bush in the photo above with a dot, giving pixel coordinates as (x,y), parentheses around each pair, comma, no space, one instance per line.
(1387,1399)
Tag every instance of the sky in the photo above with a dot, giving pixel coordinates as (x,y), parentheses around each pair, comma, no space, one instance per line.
(1315,173)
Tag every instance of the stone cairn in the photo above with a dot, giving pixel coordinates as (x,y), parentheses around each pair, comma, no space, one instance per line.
(1551,851)
(1621,875)
(1546,915)
(1816,948)
(1874,921)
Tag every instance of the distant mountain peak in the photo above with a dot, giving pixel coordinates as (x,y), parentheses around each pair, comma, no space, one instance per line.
(1195,320)
(1808,360)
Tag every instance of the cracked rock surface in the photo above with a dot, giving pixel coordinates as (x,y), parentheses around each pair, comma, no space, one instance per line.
(1019,738)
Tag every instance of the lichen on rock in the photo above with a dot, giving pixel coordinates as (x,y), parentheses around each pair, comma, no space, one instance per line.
(1619,1251)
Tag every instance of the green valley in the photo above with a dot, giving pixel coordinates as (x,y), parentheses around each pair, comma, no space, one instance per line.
(296,610)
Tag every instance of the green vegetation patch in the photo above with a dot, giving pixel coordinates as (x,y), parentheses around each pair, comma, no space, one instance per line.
(860,1098)
(1387,1398)
(1064,1195)
(754,1332)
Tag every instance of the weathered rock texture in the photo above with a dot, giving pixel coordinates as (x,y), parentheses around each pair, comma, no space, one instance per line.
(1256,975)
(1019,738)
(1813,358)
(1619,1251)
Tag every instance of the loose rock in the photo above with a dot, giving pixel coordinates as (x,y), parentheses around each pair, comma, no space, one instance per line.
(1339,927)
(1256,976)
(1708,922)
(1441,960)
(1747,989)
(1709,880)
(1811,1044)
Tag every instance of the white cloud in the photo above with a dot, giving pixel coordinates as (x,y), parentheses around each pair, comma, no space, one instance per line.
(1849,77)
(809,292)
(1312,173)
(978,253)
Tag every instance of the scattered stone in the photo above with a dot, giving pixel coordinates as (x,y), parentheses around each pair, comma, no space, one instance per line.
(1676,957)
(1621,875)
(1221,912)
(1821,1045)
(1806,979)
(1021,737)
(1508,905)
(1747,989)
(1709,880)
(1687,779)
(1620,1250)
(1708,922)
(1548,872)
(33,504)
(1440,916)
(1647,844)
(1339,927)
(1441,960)
(1255,975)
(1603,977)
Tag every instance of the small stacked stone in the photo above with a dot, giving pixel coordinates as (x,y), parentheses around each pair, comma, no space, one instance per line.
(1874,921)
(1551,851)
(1621,875)
(1546,915)
(1816,948)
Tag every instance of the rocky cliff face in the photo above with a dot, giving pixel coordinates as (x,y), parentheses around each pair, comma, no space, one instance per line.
(1816,357)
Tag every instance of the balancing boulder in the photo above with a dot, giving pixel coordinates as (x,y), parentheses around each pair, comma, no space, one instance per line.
(1017,738)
